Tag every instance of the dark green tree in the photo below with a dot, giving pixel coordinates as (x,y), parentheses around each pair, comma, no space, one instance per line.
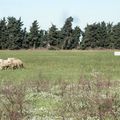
(33,35)
(103,36)
(95,36)
(14,31)
(75,38)
(44,39)
(3,34)
(109,35)
(89,37)
(53,36)
(41,38)
(25,44)
(66,33)
(115,43)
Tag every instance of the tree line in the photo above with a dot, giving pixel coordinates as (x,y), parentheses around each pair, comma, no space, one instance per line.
(13,35)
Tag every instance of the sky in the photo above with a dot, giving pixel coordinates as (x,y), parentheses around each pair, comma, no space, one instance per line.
(48,12)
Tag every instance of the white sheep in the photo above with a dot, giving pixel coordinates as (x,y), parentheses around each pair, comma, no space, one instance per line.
(5,64)
(11,63)
(15,63)
(1,62)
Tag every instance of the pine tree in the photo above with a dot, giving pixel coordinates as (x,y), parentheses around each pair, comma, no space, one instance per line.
(53,36)
(66,33)
(109,35)
(95,36)
(3,34)
(33,35)
(76,38)
(25,43)
(14,31)
(103,37)
(89,37)
(41,37)
(116,36)
(44,39)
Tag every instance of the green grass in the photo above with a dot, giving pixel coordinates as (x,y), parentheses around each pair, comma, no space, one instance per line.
(66,65)
(60,65)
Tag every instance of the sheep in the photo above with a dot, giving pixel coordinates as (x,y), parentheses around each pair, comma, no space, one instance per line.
(1,62)
(11,63)
(20,63)
(5,64)
(11,59)
(15,63)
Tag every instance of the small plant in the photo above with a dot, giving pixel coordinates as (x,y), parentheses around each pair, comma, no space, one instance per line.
(90,99)
(13,104)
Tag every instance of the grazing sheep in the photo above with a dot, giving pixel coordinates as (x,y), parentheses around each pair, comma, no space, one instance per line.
(15,63)
(11,63)
(5,64)
(20,63)
(11,59)
(1,62)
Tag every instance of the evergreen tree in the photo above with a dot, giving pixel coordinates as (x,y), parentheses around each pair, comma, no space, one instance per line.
(53,36)
(89,37)
(66,33)
(33,35)
(103,37)
(41,37)
(3,34)
(95,36)
(25,44)
(44,39)
(116,36)
(109,35)
(76,38)
(73,40)
(14,31)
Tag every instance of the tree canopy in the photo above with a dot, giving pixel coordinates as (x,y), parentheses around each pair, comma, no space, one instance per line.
(13,35)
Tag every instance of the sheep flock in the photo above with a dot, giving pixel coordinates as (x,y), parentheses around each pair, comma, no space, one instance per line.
(11,63)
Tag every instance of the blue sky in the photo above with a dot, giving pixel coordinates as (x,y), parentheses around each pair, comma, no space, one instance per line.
(56,11)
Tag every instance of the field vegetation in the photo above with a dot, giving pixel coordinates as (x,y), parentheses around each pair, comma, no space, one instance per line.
(66,65)
(61,85)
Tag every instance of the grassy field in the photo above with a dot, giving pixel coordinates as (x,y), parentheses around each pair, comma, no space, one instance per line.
(66,65)
(61,85)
